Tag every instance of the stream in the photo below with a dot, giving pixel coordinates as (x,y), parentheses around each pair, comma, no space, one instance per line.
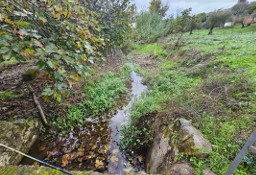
(118,163)
(93,146)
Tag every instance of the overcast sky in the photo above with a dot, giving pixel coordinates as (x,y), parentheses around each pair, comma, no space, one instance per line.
(196,5)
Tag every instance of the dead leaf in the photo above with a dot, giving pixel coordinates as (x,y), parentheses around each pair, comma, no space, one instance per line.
(99,164)
(42,148)
(114,159)
(128,170)
(64,160)
(94,147)
(115,151)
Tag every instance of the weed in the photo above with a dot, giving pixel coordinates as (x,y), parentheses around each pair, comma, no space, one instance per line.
(102,95)
(9,95)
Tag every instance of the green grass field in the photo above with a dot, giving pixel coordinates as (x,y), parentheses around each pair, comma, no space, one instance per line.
(212,77)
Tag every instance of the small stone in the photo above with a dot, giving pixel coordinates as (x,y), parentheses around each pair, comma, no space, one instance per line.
(181,168)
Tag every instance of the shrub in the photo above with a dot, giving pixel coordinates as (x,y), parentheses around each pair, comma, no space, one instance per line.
(150,26)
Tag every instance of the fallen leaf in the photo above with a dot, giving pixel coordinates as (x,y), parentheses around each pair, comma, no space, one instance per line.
(64,160)
(114,159)
(94,147)
(128,170)
(42,148)
(99,164)
(115,151)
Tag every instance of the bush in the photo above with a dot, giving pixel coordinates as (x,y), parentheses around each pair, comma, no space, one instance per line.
(150,26)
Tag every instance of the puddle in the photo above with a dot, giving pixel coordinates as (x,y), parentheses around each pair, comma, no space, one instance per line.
(93,146)
(118,162)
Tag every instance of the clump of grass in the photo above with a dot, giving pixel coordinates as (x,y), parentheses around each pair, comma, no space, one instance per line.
(154,49)
(4,95)
(100,96)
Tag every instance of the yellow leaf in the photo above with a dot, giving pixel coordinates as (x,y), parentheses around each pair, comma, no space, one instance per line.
(99,164)
(64,160)
(115,151)
(1,17)
(114,159)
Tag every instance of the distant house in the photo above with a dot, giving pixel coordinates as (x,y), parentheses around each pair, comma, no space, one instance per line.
(228,24)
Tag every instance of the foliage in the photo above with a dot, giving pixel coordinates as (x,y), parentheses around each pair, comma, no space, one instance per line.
(114,16)
(182,22)
(252,7)
(75,117)
(217,18)
(240,9)
(157,6)
(155,49)
(64,38)
(61,37)
(150,26)
(102,95)
(132,137)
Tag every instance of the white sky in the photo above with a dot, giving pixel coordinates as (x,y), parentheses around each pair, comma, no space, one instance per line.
(196,5)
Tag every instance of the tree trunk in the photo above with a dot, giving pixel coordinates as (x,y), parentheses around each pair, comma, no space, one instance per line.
(210,32)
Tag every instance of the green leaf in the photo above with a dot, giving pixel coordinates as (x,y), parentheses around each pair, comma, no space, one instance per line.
(4,50)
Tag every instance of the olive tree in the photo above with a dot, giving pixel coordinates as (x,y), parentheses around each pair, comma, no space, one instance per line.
(157,6)
(240,10)
(217,18)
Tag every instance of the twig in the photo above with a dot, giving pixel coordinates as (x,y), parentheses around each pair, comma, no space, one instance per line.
(38,105)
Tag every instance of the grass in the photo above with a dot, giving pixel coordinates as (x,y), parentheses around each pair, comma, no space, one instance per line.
(100,96)
(5,95)
(209,79)
(154,49)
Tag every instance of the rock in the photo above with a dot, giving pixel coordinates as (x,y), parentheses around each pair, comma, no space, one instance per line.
(208,172)
(30,74)
(180,168)
(189,140)
(141,173)
(20,136)
(158,153)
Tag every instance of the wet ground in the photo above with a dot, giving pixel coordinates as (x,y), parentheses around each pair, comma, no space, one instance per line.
(119,163)
(93,146)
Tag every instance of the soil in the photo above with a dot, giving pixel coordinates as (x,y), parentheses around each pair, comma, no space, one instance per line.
(22,104)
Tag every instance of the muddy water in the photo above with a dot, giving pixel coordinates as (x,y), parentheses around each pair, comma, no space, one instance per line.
(93,146)
(118,162)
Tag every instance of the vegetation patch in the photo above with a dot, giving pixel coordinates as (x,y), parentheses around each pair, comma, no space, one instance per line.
(100,96)
(5,95)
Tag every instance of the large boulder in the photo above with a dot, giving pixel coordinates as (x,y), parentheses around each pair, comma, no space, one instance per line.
(19,135)
(180,168)
(189,140)
(159,152)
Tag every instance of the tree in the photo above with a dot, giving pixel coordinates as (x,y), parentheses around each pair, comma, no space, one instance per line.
(217,18)
(252,7)
(64,38)
(151,26)
(239,11)
(114,16)
(156,6)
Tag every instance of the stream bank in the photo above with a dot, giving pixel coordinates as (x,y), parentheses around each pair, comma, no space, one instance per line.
(95,145)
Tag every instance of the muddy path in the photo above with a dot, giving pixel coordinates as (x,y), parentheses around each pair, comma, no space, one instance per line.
(95,146)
